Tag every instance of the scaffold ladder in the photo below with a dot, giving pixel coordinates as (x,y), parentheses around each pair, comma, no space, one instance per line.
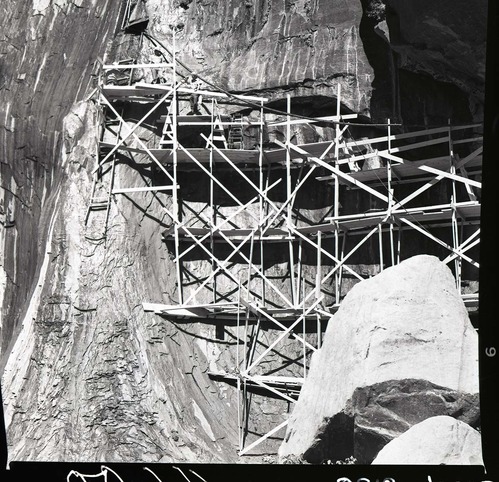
(167,134)
(102,191)
(235,140)
(217,135)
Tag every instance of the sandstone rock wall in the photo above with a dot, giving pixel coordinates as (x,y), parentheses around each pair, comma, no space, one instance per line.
(400,349)
(48,49)
(93,377)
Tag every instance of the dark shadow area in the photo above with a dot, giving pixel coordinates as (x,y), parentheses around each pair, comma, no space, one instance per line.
(195,187)
(336,437)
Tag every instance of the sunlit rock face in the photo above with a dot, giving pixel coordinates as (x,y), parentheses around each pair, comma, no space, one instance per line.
(399,350)
(440,440)
(87,375)
(304,47)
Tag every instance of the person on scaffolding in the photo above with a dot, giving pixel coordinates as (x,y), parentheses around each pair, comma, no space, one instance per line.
(159,73)
(196,99)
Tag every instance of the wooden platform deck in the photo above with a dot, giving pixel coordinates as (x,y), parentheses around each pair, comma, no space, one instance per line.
(410,171)
(237,156)
(225,311)
(425,214)
(143,89)
(289,385)
(272,235)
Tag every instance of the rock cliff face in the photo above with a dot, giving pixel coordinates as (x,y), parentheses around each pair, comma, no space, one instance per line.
(43,71)
(400,349)
(86,374)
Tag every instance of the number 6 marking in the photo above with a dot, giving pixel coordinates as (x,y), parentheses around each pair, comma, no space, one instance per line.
(491,351)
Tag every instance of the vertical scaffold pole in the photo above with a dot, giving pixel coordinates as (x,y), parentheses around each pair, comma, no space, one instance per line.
(261,204)
(399,242)
(238,368)
(304,323)
(337,196)
(212,208)
(342,255)
(289,220)
(380,242)
(390,195)
(455,227)
(239,421)
(299,288)
(318,278)
(176,200)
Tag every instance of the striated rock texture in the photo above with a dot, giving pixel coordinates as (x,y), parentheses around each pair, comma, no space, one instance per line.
(420,62)
(306,47)
(435,441)
(93,377)
(43,71)
(86,374)
(400,349)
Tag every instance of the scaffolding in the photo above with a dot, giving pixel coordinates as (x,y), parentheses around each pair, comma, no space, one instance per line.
(253,212)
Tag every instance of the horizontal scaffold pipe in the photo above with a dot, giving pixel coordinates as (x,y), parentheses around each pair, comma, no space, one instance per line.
(126,190)
(409,135)
(206,93)
(135,66)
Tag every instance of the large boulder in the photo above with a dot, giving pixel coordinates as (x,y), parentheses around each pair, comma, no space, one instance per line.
(400,349)
(435,441)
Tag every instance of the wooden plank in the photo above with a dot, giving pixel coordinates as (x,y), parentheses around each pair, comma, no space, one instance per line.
(125,190)
(409,135)
(269,388)
(206,93)
(134,66)
(469,139)
(132,90)
(455,177)
(316,119)
(441,210)
(226,120)
(194,119)
(269,379)
(162,307)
